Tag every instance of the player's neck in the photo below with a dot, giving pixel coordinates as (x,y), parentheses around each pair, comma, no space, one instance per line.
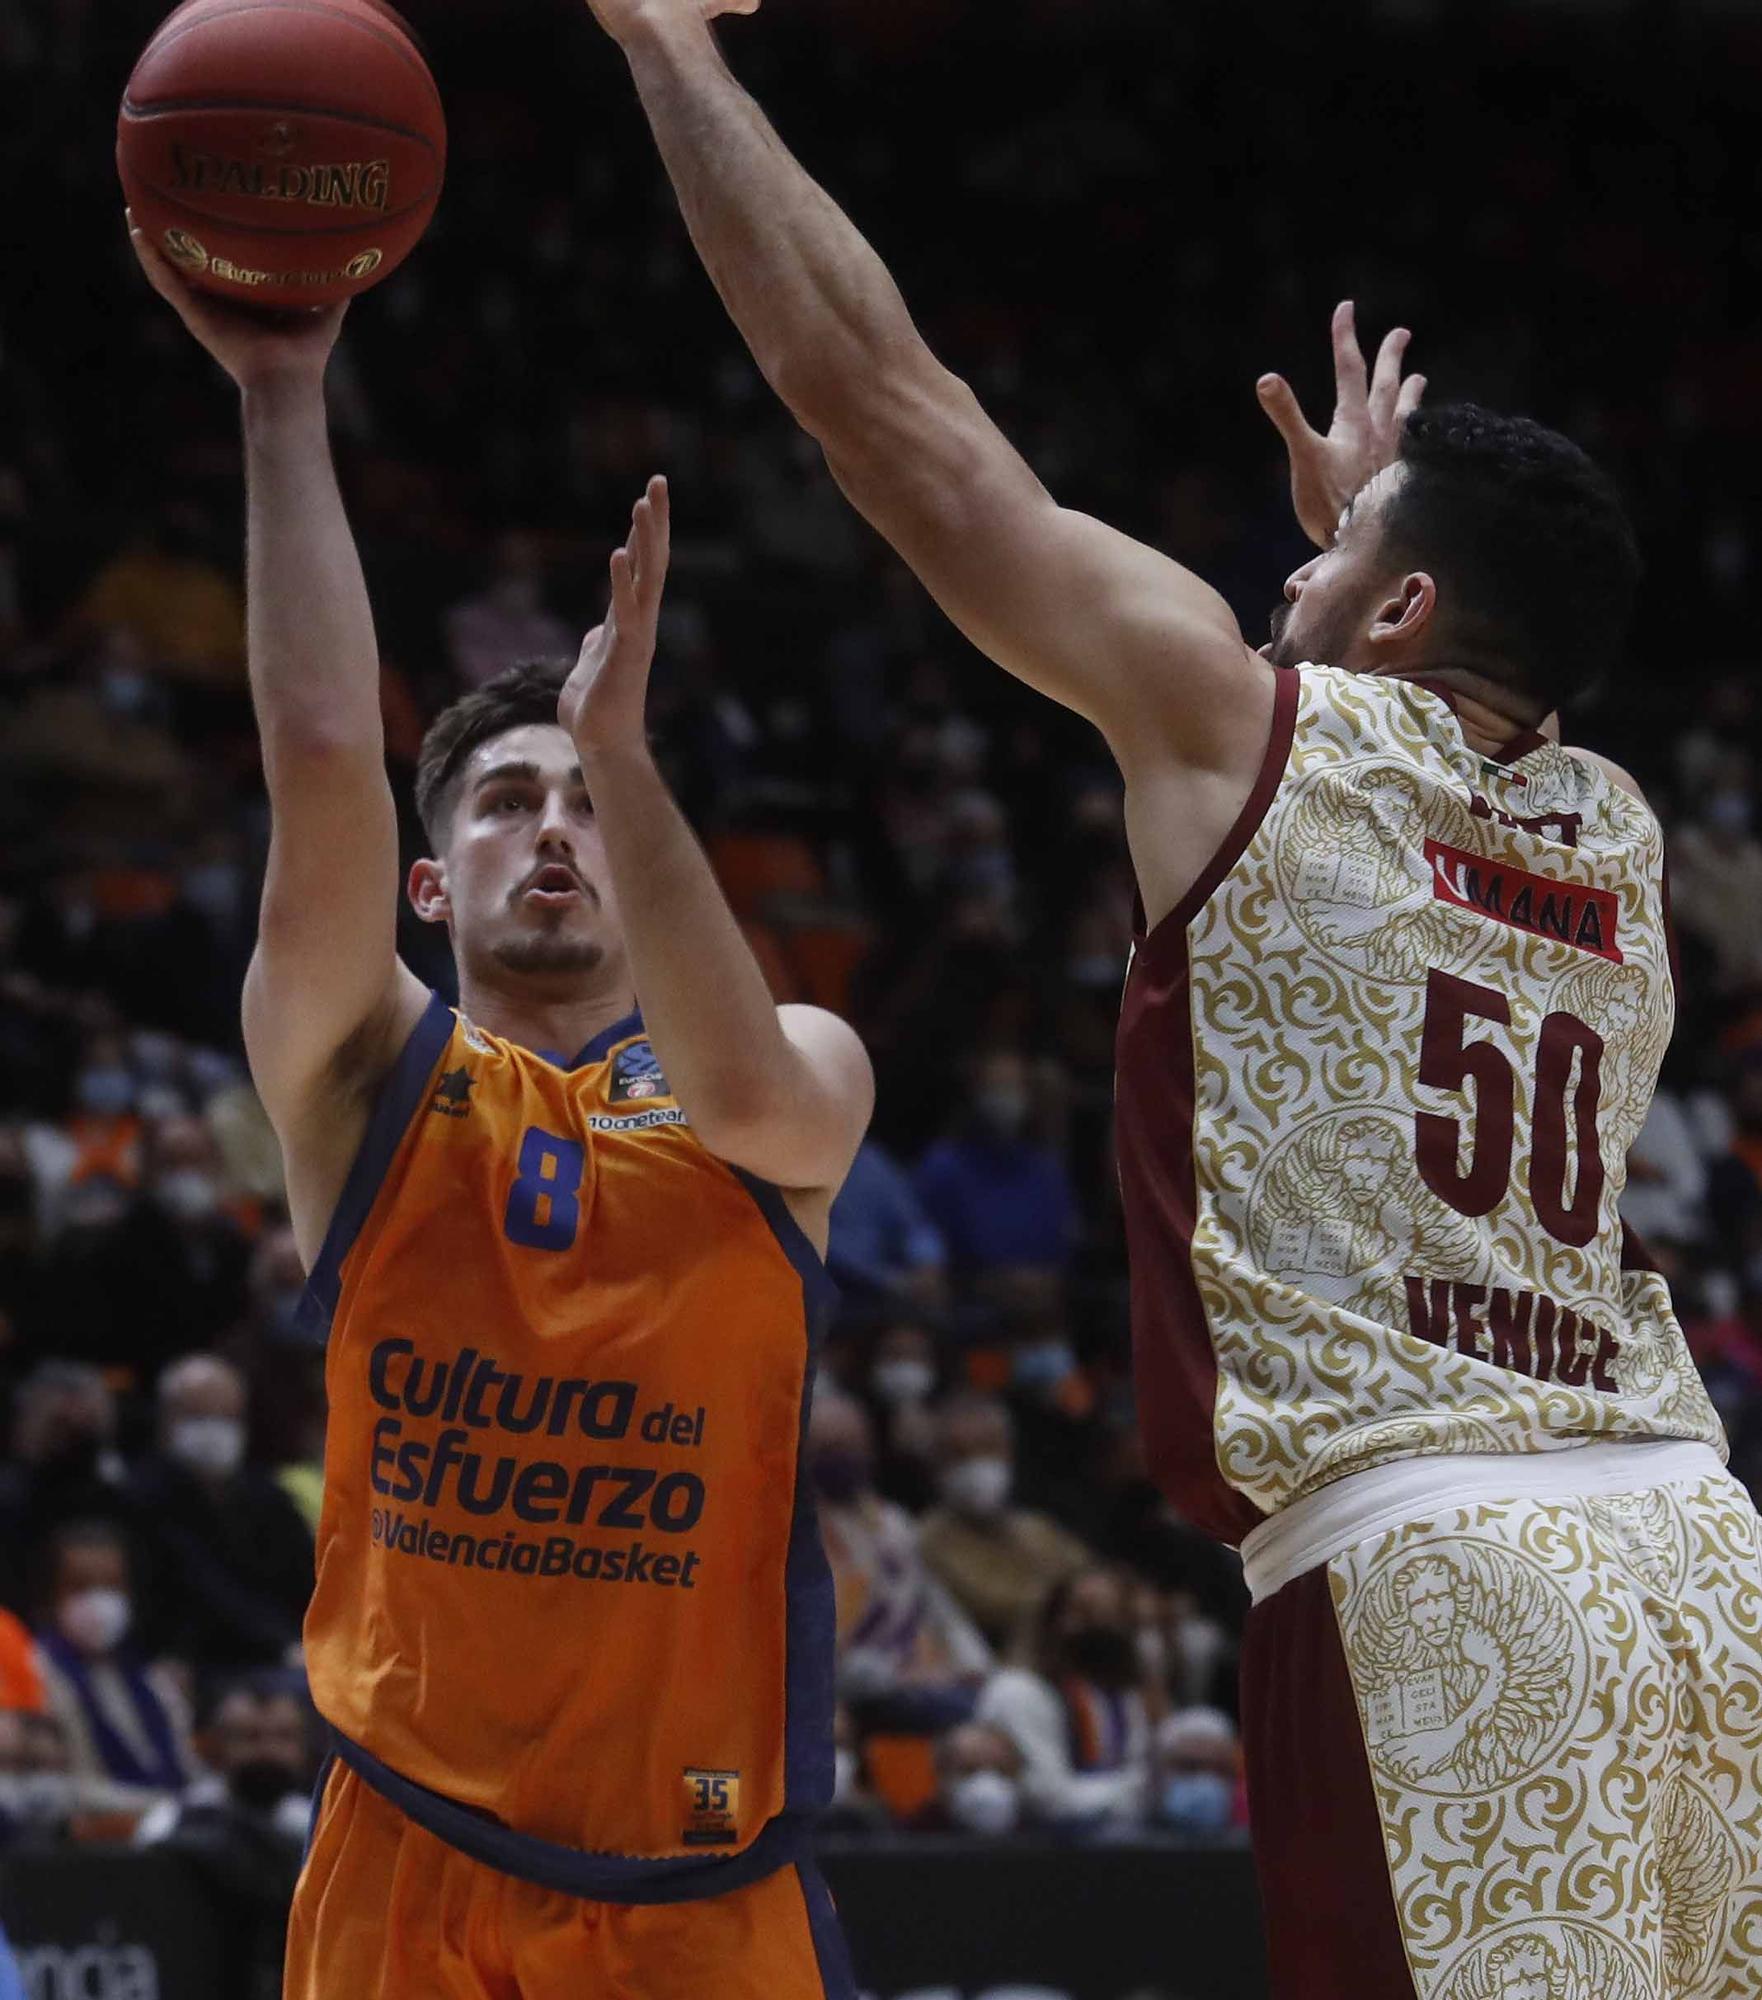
(559,1027)
(1487,725)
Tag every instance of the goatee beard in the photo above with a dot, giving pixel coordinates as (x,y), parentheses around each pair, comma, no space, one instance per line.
(548,954)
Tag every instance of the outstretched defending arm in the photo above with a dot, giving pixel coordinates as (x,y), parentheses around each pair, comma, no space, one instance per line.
(784,1092)
(326,1002)
(1104,624)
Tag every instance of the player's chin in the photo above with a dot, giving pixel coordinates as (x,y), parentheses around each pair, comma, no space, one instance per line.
(548,952)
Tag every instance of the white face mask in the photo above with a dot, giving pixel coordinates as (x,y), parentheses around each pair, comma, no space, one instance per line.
(211,1445)
(977,1486)
(905,1380)
(844,1776)
(188,1193)
(984,1802)
(94,1620)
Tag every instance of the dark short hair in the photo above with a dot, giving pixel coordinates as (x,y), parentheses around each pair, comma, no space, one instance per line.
(522,694)
(1531,546)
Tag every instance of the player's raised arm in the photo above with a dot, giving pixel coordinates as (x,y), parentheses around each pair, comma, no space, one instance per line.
(324,988)
(784,1092)
(1100,622)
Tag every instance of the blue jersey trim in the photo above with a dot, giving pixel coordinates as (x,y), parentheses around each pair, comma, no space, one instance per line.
(606,1040)
(810,1658)
(400,1094)
(323,1779)
(831,1953)
(819,1290)
(575,1871)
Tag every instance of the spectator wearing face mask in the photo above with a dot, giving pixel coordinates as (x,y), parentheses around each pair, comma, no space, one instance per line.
(232,1556)
(103,1128)
(242,1825)
(1200,1790)
(190,1247)
(1083,1715)
(142,1277)
(978,1784)
(908,1656)
(125,1722)
(1001,1199)
(997,1560)
(63,1466)
(898,1383)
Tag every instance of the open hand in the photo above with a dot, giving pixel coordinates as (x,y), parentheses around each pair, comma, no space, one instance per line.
(253,344)
(621,17)
(1366,432)
(603,701)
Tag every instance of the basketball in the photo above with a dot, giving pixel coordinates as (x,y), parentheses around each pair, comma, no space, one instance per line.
(285,152)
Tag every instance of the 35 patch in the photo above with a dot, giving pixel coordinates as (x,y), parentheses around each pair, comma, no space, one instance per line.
(712,1808)
(636,1075)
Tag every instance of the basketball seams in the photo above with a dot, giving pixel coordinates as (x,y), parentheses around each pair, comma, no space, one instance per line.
(397,43)
(140,115)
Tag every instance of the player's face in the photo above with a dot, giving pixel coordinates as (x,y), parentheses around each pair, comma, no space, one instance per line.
(1364,1170)
(1432,1607)
(527,884)
(1330,602)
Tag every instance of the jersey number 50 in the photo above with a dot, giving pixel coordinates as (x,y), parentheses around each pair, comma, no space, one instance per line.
(1448,1061)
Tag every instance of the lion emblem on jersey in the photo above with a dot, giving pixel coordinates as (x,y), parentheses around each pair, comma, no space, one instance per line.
(1465,1660)
(1340,1211)
(1699,1866)
(1562,1959)
(1351,865)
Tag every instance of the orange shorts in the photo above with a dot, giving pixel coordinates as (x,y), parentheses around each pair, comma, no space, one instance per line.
(385,1911)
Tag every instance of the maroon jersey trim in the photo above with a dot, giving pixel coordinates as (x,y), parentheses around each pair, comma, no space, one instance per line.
(1515,748)
(1174,1365)
(1287,685)
(1634,1254)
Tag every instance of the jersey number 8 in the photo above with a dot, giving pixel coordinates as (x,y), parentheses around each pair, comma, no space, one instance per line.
(544,1204)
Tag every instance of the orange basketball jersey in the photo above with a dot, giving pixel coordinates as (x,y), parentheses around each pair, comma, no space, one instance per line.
(569,1578)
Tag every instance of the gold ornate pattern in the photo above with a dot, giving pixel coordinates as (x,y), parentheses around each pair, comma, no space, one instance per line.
(1566,1755)
(1309,978)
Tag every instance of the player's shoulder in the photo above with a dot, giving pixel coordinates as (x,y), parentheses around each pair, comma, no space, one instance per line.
(1622,779)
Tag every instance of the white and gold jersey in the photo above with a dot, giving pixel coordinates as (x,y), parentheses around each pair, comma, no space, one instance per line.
(1378,1077)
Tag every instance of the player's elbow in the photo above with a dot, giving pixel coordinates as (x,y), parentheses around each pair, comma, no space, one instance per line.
(301,742)
(869,404)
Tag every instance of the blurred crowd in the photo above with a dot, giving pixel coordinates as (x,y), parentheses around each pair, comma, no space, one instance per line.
(1110,220)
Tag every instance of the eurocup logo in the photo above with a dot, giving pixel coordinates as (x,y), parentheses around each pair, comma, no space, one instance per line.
(184,251)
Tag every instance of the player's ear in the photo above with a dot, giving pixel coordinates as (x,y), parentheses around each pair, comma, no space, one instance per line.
(428,891)
(1405,613)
